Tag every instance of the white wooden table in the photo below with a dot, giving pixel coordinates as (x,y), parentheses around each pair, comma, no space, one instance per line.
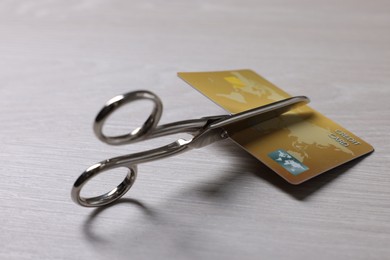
(61,60)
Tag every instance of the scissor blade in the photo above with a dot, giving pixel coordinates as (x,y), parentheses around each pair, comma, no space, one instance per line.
(257,115)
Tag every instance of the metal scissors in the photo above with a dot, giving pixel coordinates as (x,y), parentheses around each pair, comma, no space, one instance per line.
(205,130)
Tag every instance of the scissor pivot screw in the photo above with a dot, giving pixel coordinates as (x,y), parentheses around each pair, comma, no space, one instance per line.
(224,134)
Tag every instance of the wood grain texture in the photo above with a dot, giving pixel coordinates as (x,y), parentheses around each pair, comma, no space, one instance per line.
(61,60)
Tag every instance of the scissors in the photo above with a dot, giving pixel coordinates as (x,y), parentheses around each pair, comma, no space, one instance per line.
(204,131)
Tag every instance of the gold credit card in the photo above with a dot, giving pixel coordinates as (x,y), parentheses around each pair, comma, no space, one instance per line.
(297,145)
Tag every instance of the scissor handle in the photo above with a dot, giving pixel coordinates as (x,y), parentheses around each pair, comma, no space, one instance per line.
(108,197)
(130,162)
(137,134)
(148,130)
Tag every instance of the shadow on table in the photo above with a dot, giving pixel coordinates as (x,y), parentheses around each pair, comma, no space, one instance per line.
(88,224)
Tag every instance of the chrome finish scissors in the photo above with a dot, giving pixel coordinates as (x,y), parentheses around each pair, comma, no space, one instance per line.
(205,131)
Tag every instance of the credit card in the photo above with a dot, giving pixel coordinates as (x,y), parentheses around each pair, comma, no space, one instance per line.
(297,145)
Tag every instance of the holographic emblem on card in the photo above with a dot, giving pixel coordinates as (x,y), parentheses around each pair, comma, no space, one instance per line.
(288,162)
